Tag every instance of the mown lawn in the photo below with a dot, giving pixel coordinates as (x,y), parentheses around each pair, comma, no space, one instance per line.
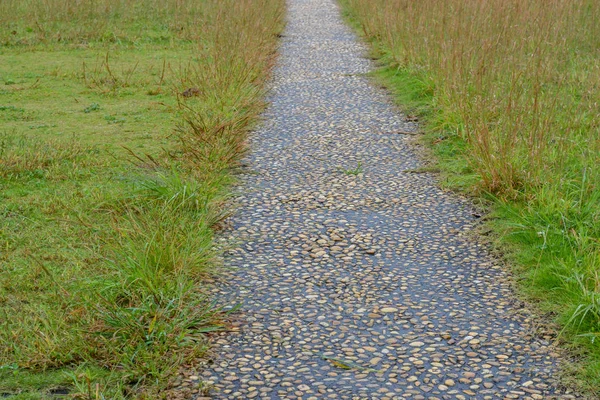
(121,124)
(508,92)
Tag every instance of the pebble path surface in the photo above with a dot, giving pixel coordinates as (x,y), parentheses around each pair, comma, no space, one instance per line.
(358,278)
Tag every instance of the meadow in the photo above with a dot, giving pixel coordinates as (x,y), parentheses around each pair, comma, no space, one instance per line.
(508,91)
(122,124)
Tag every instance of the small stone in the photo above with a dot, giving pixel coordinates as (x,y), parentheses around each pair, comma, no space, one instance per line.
(375,360)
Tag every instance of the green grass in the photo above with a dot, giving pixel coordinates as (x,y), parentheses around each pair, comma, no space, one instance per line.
(120,134)
(353,171)
(515,129)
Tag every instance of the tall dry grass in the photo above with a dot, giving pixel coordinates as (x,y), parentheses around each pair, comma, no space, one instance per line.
(223,109)
(522,77)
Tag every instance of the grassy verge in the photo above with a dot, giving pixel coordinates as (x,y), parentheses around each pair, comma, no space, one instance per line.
(121,124)
(508,91)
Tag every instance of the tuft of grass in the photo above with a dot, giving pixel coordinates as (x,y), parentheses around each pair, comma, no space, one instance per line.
(113,182)
(92,107)
(508,90)
(353,171)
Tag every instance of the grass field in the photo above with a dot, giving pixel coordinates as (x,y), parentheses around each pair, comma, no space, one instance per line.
(509,93)
(121,124)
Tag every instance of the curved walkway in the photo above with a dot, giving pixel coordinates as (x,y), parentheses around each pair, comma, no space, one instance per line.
(357,277)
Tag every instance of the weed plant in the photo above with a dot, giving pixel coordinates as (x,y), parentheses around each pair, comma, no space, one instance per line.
(510,92)
(121,126)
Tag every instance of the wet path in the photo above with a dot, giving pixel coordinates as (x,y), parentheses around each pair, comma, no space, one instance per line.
(358,278)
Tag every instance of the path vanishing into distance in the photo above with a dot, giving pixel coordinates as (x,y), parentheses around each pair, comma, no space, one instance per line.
(358,278)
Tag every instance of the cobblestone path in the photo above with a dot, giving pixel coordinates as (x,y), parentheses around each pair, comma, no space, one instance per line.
(358,278)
